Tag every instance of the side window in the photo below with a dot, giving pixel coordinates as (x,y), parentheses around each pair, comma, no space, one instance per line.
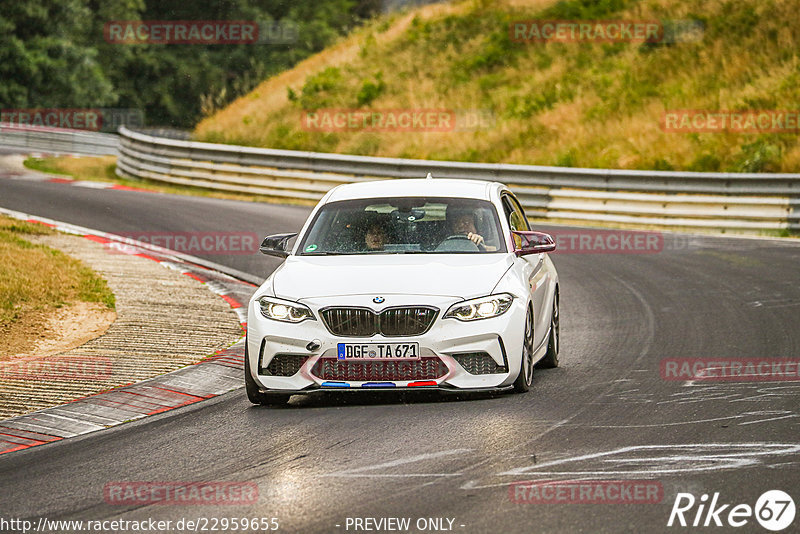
(513,220)
(516,216)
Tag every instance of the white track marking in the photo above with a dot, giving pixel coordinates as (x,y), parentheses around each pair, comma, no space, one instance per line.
(357,472)
(685,458)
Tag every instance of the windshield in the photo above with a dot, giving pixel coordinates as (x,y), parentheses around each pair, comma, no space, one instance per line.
(408,225)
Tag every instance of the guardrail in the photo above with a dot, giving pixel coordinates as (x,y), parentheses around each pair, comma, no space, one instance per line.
(661,198)
(58,140)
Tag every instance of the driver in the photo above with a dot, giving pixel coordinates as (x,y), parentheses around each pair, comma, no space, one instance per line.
(463,223)
(377,232)
(375,237)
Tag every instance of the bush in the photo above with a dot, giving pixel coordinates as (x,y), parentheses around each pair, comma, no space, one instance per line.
(662,165)
(314,94)
(759,156)
(370,90)
(567,159)
(705,163)
(584,9)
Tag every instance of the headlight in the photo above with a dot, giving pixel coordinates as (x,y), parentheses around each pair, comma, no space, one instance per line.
(285,311)
(482,308)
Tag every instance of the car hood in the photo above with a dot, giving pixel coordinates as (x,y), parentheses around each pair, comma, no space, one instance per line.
(453,275)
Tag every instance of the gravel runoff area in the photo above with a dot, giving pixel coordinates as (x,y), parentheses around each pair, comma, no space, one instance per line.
(165,321)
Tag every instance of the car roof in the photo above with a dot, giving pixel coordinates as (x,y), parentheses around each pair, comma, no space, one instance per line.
(436,187)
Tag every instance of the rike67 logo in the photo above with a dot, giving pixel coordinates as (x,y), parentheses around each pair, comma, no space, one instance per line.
(774,510)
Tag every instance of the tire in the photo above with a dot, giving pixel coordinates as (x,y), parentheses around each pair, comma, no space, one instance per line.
(254,394)
(550,360)
(525,376)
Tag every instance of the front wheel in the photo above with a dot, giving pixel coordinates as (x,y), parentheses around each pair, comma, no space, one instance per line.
(525,377)
(254,395)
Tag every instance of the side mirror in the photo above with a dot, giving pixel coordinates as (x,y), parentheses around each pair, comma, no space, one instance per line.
(275,245)
(533,243)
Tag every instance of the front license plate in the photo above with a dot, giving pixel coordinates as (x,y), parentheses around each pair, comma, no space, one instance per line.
(378,351)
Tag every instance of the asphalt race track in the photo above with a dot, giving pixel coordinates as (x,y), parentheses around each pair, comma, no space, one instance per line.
(605,414)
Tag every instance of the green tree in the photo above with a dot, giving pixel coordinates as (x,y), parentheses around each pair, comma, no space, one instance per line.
(45,58)
(53,54)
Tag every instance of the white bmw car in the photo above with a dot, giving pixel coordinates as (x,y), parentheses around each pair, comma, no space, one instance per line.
(405,284)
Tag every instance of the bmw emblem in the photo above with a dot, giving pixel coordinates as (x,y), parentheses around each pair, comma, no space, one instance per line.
(378,300)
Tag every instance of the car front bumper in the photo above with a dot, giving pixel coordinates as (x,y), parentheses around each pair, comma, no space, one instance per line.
(447,342)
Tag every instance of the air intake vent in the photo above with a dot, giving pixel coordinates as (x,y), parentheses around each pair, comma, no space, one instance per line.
(284,365)
(479,363)
(426,368)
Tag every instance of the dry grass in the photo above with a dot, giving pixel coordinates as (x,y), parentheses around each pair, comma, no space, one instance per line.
(271,96)
(569,104)
(93,168)
(36,280)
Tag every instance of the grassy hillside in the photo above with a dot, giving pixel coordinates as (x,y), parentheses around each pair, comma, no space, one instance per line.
(567,104)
